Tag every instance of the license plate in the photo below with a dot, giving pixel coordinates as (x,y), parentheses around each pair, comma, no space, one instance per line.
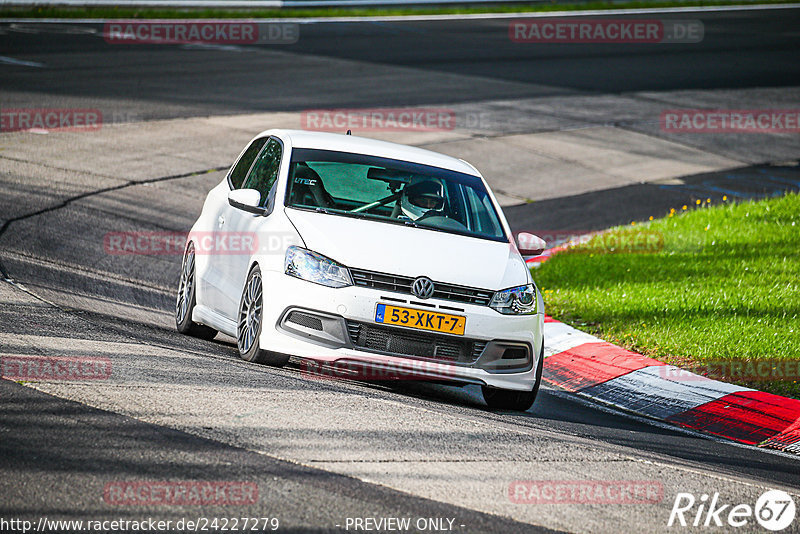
(420,319)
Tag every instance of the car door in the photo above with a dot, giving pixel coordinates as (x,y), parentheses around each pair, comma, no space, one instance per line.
(210,256)
(242,228)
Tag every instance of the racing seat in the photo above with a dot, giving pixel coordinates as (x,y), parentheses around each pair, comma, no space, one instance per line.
(308,189)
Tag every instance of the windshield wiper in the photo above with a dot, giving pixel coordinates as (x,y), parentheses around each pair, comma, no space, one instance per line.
(436,228)
(361,215)
(327,211)
(351,214)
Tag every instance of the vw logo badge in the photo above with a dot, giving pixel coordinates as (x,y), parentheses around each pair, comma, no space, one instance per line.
(422,287)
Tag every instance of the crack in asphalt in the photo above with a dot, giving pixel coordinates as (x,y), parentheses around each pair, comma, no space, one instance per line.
(66,202)
(107,275)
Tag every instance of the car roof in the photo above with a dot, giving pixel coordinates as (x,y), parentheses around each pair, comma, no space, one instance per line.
(372,147)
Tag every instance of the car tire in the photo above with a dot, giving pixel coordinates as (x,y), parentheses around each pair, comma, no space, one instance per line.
(186,300)
(250,320)
(508,399)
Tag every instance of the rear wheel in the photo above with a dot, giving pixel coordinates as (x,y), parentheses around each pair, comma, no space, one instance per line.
(186,300)
(250,321)
(508,399)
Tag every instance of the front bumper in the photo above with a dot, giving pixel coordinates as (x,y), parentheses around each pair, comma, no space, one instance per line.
(338,325)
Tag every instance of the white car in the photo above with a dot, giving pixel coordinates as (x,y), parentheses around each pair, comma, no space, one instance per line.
(345,250)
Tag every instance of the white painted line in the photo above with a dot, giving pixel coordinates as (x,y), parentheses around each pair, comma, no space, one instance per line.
(560,337)
(647,392)
(422,18)
(11,61)
(220,47)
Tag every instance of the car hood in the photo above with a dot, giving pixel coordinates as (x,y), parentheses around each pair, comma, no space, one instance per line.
(403,250)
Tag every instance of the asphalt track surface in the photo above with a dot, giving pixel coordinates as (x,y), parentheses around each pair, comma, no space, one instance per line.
(391,64)
(177,408)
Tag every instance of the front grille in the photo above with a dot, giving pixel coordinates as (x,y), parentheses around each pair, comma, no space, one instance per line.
(420,345)
(402,284)
(388,282)
(304,319)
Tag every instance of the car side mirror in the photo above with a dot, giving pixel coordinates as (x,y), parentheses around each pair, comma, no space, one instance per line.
(246,200)
(529,244)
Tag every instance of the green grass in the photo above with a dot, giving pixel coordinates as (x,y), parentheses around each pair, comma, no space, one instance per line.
(104,12)
(711,284)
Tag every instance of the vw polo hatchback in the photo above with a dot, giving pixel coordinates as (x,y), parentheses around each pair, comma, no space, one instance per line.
(341,249)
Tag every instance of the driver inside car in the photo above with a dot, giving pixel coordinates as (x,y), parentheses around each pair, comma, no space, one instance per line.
(422,198)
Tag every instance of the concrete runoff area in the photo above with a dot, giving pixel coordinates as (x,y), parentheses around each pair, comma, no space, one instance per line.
(520,167)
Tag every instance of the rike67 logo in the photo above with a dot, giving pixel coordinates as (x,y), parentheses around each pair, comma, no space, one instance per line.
(774,510)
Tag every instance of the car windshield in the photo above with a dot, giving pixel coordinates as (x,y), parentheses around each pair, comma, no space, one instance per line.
(392,191)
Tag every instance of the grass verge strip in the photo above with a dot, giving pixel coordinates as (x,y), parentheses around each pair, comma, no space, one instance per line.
(711,288)
(123,12)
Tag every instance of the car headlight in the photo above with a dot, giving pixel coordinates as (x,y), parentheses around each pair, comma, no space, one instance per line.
(520,300)
(316,268)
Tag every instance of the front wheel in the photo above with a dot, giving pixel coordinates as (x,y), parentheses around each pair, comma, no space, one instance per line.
(251,318)
(186,300)
(508,399)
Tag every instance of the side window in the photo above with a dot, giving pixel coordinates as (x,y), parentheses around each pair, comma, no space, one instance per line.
(246,161)
(481,207)
(265,170)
